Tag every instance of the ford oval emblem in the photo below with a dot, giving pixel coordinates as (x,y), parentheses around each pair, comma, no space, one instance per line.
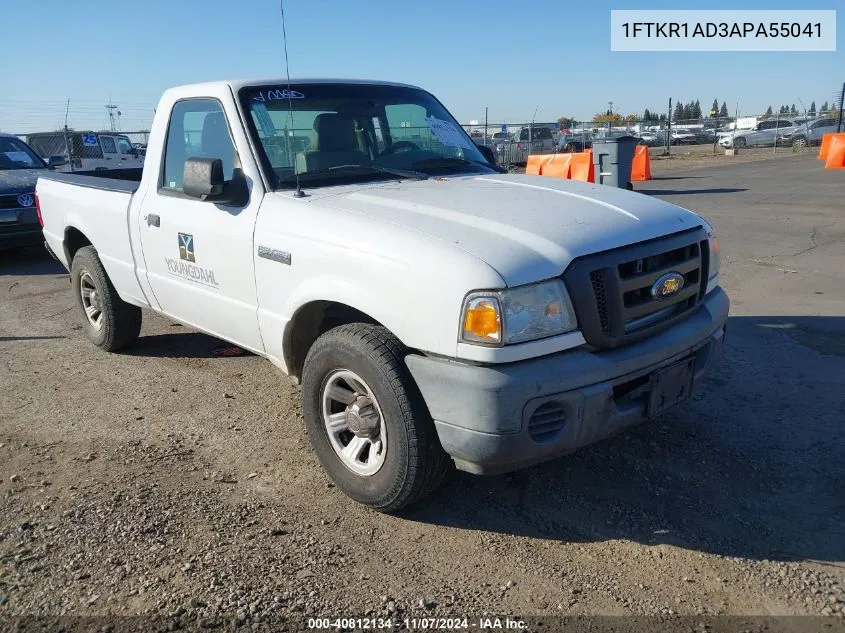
(667,285)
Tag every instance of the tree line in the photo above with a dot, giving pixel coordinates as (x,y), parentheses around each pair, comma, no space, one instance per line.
(691,110)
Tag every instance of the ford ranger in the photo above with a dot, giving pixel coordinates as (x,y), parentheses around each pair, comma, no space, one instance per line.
(435,310)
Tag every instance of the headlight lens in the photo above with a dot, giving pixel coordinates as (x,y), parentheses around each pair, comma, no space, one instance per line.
(715,257)
(516,315)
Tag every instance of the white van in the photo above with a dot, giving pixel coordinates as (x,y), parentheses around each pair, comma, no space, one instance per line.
(90,151)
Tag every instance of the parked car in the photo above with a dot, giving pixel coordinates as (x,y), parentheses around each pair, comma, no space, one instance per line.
(574,142)
(810,132)
(653,138)
(764,133)
(430,306)
(528,140)
(682,136)
(88,150)
(500,139)
(20,167)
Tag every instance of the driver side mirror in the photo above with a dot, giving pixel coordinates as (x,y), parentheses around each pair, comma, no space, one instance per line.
(490,157)
(55,162)
(203,178)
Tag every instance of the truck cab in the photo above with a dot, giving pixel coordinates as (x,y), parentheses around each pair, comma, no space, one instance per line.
(435,311)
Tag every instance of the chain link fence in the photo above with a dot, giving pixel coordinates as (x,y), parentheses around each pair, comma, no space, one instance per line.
(513,143)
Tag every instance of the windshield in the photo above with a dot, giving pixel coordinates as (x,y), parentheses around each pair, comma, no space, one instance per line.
(15,154)
(341,132)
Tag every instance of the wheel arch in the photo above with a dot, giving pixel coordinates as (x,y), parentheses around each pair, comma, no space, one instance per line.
(312,320)
(74,239)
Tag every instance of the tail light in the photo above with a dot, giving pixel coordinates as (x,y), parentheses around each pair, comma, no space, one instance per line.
(38,211)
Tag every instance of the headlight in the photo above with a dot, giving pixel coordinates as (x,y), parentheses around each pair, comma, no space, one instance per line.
(715,257)
(516,315)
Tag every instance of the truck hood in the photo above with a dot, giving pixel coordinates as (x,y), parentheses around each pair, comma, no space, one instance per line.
(528,228)
(14,181)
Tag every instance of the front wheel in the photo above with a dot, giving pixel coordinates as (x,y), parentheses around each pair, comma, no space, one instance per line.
(109,322)
(366,419)
(799,142)
(740,143)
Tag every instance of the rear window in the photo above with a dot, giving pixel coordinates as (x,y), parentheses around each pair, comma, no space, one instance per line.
(15,154)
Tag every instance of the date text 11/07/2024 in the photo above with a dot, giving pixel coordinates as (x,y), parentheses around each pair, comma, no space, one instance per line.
(442,624)
(722,29)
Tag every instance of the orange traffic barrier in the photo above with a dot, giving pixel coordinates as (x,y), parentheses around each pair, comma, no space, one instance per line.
(581,167)
(827,139)
(836,152)
(557,166)
(534,164)
(641,167)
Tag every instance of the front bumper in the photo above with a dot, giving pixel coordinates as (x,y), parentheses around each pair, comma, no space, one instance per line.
(497,418)
(18,236)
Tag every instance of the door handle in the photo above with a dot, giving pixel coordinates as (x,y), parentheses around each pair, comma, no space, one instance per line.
(153,220)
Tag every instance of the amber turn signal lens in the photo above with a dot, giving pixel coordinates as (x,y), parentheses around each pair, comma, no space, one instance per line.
(482,321)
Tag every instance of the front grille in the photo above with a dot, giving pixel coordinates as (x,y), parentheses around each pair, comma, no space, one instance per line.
(547,421)
(11,202)
(597,282)
(611,291)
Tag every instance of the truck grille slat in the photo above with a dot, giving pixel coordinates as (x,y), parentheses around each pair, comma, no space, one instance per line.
(612,291)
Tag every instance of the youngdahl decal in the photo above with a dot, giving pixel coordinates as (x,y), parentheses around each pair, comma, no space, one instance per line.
(192,272)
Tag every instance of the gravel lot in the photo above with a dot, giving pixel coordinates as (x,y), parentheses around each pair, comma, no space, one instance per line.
(172,481)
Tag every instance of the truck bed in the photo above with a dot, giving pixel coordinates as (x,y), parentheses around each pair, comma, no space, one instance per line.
(123,180)
(96,205)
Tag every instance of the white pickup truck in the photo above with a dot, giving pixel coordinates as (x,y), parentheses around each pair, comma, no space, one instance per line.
(431,306)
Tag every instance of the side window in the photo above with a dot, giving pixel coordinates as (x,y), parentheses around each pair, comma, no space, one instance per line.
(379,134)
(107,143)
(198,129)
(124,145)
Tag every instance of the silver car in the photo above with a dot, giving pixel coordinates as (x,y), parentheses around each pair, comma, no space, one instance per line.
(764,133)
(810,133)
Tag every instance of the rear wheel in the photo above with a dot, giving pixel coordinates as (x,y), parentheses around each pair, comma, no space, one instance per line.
(366,419)
(799,142)
(109,322)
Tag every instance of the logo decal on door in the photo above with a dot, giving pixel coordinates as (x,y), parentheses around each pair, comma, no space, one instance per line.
(186,247)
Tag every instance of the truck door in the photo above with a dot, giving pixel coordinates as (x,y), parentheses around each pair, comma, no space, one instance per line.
(110,155)
(199,255)
(128,157)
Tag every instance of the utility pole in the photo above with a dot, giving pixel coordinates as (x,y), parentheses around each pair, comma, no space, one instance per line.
(114,117)
(714,113)
(668,145)
(485,124)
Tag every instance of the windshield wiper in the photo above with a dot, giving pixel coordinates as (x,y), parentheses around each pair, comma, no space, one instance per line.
(447,161)
(346,169)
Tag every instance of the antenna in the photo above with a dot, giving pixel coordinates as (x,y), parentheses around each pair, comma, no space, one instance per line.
(298,193)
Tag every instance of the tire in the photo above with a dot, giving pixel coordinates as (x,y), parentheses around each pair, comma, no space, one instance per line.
(740,143)
(114,324)
(799,142)
(412,462)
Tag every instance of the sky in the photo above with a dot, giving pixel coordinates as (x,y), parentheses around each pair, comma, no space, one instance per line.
(510,57)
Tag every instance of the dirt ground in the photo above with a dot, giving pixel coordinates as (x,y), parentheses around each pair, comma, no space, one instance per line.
(171,481)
